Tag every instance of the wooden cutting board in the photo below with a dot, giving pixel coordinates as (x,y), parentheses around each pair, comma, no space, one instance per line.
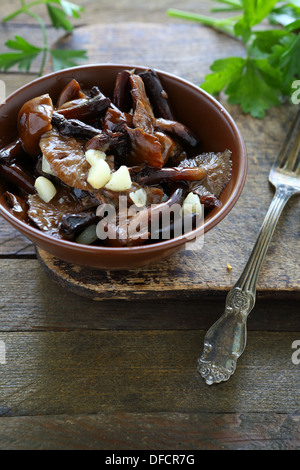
(188,50)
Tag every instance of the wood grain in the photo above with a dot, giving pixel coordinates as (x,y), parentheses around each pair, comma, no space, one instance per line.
(87,372)
(179,277)
(30,301)
(159,431)
(104,11)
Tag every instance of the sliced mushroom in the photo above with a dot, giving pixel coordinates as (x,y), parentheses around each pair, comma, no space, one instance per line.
(72,224)
(11,152)
(122,98)
(145,148)
(154,175)
(47,216)
(157,95)
(72,91)
(143,117)
(85,109)
(16,175)
(34,120)
(74,127)
(177,129)
(218,170)
(17,205)
(66,157)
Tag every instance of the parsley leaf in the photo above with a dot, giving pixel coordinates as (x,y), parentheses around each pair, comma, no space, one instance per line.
(26,54)
(58,11)
(225,71)
(285,14)
(245,82)
(71,9)
(254,12)
(62,59)
(58,18)
(272,64)
(252,90)
(286,57)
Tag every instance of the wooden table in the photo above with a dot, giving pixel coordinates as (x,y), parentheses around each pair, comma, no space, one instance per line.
(120,373)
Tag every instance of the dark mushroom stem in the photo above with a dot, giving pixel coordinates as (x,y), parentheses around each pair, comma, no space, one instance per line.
(177,129)
(150,176)
(10,153)
(72,225)
(157,95)
(116,143)
(16,175)
(122,97)
(86,110)
(73,127)
(142,222)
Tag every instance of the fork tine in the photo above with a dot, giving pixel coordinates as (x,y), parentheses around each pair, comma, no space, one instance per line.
(291,161)
(288,154)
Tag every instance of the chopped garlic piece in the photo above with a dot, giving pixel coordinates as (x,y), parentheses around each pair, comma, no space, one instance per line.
(191,205)
(45,188)
(46,168)
(139,197)
(94,156)
(120,180)
(99,174)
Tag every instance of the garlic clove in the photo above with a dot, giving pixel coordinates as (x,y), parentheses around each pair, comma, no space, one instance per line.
(191,205)
(99,174)
(94,156)
(46,168)
(139,197)
(45,188)
(120,180)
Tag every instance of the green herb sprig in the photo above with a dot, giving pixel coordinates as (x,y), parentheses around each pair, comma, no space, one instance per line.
(59,12)
(265,76)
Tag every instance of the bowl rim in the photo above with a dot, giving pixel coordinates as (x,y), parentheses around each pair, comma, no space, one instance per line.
(165,244)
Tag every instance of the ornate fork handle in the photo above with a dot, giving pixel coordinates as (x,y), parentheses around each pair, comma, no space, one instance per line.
(226,340)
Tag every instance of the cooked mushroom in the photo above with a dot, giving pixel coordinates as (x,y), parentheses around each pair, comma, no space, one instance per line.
(157,95)
(67,159)
(34,120)
(92,152)
(17,205)
(85,109)
(72,91)
(16,175)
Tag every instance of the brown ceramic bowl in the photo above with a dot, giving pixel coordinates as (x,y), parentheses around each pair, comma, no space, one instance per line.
(192,106)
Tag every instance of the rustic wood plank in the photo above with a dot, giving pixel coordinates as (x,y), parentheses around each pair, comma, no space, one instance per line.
(168,47)
(32,302)
(87,372)
(176,277)
(13,244)
(152,431)
(121,11)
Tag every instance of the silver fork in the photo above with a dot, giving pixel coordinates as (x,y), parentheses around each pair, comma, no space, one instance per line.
(226,340)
